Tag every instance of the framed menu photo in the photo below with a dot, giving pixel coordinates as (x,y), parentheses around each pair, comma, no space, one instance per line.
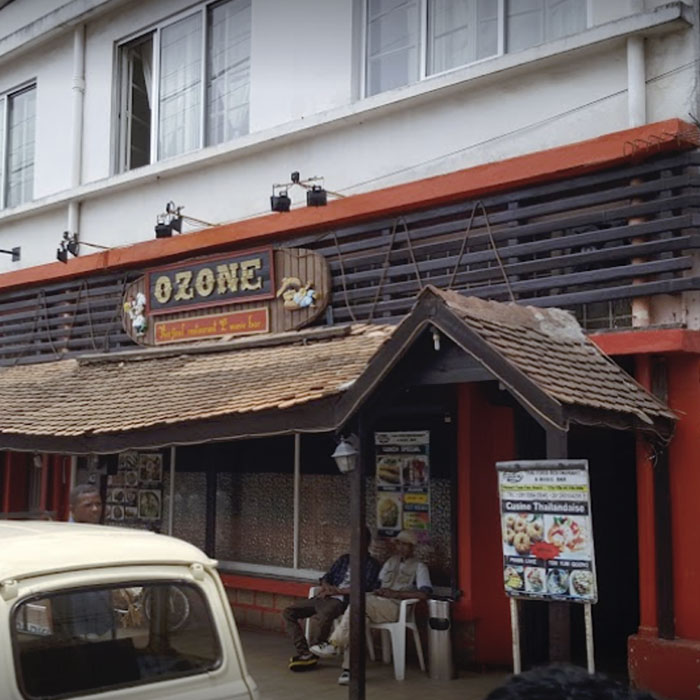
(546,530)
(149,504)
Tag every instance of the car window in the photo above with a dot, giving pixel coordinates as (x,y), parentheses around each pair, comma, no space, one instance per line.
(92,639)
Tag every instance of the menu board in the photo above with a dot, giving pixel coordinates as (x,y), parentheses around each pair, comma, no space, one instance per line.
(135,492)
(547,533)
(403,482)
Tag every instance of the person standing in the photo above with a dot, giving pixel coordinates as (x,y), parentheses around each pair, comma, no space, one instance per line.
(326,606)
(85,614)
(85,504)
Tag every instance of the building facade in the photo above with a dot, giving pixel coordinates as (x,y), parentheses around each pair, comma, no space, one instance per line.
(515,150)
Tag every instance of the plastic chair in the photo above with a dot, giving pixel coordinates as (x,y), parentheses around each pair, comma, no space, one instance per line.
(313,591)
(395,633)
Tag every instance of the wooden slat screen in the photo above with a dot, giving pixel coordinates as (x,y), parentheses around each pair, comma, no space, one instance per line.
(590,244)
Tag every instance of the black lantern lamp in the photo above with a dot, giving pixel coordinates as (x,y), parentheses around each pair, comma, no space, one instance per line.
(345,456)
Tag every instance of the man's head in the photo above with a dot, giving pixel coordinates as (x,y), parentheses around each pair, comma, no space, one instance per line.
(405,541)
(563,682)
(86,504)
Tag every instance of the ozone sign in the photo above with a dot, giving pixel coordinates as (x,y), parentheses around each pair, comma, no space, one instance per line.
(243,293)
(236,278)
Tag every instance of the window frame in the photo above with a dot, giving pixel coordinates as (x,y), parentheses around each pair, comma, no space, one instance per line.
(130,582)
(424,40)
(5,98)
(121,155)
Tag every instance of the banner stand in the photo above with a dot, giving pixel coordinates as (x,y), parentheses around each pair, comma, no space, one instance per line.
(515,631)
(590,657)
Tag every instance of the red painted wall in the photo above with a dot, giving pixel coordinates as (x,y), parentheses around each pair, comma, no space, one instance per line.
(486,435)
(684,398)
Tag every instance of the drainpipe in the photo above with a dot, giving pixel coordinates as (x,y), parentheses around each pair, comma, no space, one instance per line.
(637,116)
(78,101)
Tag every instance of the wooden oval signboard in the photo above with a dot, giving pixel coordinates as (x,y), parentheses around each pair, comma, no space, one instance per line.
(263,290)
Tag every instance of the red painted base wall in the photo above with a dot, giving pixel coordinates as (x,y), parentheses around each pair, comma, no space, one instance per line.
(670,668)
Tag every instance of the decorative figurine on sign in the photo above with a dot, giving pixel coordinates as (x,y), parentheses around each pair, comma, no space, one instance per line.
(296,296)
(135,309)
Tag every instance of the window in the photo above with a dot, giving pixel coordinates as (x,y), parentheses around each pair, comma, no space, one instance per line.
(17,118)
(407,40)
(185,84)
(95,639)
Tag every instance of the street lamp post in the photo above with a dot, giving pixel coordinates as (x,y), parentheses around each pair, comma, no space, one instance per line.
(346,457)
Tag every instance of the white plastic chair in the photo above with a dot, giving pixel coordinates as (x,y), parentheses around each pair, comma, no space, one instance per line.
(394,638)
(313,592)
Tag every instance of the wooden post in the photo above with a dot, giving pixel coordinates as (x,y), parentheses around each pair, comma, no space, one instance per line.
(358,564)
(559,613)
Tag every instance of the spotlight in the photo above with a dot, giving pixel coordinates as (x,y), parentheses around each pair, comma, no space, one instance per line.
(316,197)
(162,229)
(280,201)
(70,244)
(172,220)
(15,253)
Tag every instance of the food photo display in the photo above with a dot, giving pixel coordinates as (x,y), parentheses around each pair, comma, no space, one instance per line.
(546,533)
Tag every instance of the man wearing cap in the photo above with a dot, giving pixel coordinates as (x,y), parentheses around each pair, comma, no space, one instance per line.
(402,576)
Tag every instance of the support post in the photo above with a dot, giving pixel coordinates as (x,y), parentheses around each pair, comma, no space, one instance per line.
(559,613)
(210,527)
(171,510)
(662,512)
(358,564)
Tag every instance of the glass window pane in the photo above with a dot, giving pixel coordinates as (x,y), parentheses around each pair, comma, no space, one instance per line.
(532,22)
(392,44)
(228,70)
(565,17)
(525,24)
(137,99)
(255,501)
(460,32)
(20,147)
(94,639)
(180,87)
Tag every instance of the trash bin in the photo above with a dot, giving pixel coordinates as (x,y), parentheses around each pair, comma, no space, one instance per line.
(440,663)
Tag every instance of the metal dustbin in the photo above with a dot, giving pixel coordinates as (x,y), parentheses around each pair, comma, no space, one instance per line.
(440,662)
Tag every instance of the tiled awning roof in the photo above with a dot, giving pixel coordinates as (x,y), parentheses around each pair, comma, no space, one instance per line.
(549,347)
(153,389)
(312,381)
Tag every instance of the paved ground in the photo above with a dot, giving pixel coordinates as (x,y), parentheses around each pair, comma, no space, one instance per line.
(267,654)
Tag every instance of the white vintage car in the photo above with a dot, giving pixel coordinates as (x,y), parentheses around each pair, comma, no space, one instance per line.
(99,612)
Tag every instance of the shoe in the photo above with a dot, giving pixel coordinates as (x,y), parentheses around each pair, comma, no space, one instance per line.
(303,662)
(344,678)
(324,649)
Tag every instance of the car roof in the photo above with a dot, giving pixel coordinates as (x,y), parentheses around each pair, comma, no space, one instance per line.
(31,548)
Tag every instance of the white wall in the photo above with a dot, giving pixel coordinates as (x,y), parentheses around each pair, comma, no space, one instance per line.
(303,118)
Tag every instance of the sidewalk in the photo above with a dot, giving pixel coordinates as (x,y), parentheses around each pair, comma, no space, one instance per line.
(267,654)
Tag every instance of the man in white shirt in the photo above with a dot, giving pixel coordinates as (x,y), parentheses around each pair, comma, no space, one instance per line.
(402,576)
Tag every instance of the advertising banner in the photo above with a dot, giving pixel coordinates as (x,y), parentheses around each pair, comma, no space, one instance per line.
(403,482)
(547,532)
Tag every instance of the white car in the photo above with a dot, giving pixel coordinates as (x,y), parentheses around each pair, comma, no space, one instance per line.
(99,612)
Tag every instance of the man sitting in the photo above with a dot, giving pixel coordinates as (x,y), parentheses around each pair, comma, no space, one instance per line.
(401,577)
(328,604)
